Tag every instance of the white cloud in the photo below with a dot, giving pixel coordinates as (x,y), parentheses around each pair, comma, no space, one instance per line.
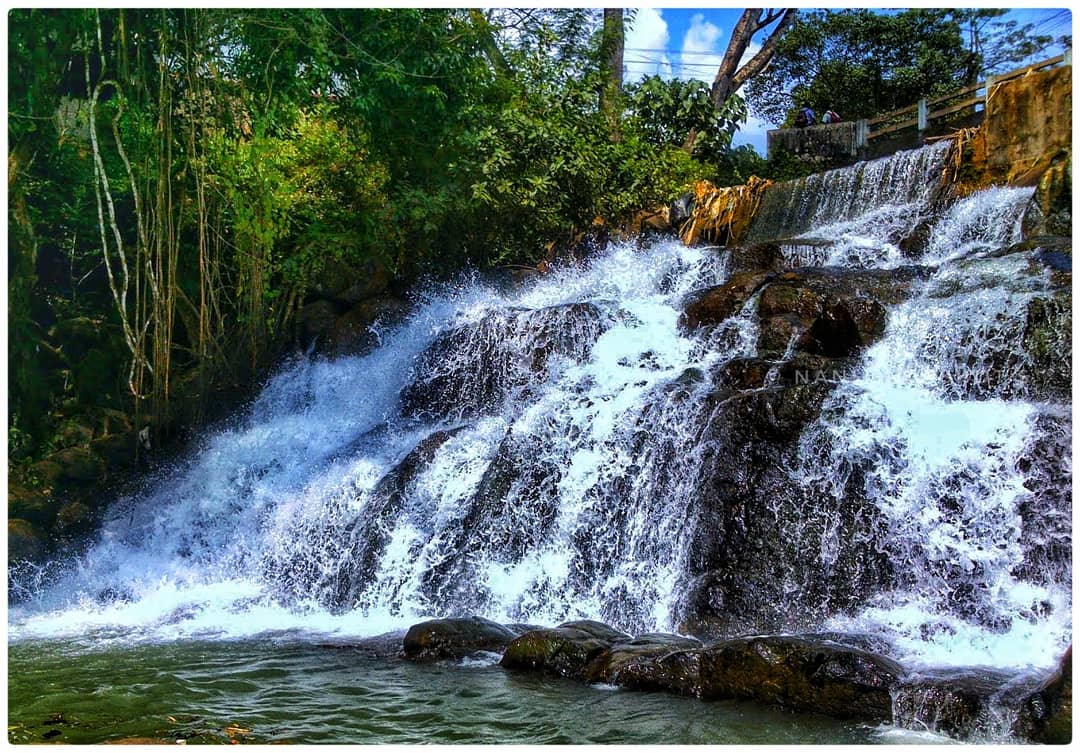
(647,33)
(701,51)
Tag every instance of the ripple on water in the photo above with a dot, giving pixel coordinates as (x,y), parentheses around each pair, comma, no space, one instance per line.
(306,693)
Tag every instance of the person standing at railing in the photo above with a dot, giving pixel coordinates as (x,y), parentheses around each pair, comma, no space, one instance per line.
(830,116)
(805,118)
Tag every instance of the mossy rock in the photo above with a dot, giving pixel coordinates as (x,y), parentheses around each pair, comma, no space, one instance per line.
(31,505)
(630,656)
(25,541)
(566,650)
(1048,342)
(793,673)
(79,466)
(455,638)
(72,433)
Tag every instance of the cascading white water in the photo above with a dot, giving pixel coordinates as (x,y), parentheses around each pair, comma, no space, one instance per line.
(538,455)
(256,532)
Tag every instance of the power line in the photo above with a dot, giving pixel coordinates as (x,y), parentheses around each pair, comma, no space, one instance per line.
(715,53)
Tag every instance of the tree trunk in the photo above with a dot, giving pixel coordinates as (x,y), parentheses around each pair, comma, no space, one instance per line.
(730,77)
(611,62)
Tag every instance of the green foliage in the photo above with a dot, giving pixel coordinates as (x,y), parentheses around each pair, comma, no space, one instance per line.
(265,144)
(667,111)
(863,63)
(739,165)
(860,63)
(996,45)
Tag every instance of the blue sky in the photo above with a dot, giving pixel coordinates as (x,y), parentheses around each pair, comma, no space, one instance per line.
(689,43)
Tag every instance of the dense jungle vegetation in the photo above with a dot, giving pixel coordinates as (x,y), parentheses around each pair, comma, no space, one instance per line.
(182,181)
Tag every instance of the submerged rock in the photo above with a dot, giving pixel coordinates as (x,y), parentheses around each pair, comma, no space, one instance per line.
(454,638)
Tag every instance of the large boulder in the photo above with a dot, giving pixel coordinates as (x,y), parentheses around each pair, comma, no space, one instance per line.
(455,638)
(828,311)
(628,655)
(715,304)
(566,650)
(790,672)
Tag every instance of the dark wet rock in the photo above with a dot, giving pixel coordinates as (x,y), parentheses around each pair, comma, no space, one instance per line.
(78,466)
(739,374)
(565,650)
(510,514)
(369,535)
(718,303)
(315,321)
(454,638)
(469,369)
(1046,715)
(957,702)
(352,332)
(348,283)
(790,672)
(767,552)
(757,257)
(1046,536)
(1048,342)
(117,450)
(30,505)
(74,518)
(915,242)
(629,655)
(844,327)
(596,630)
(25,541)
(827,311)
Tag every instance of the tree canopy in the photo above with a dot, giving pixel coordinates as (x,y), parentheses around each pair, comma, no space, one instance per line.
(863,62)
(181,178)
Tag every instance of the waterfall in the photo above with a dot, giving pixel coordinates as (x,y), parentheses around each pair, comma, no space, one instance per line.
(568,449)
